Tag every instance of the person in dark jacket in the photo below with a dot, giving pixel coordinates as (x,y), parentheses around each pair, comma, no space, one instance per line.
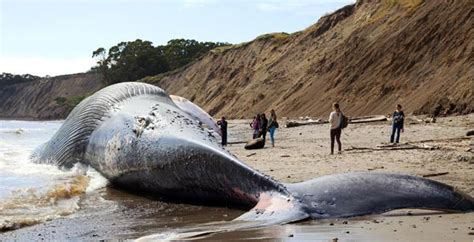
(223,125)
(398,119)
(263,126)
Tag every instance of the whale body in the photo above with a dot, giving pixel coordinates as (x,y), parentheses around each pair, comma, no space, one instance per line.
(140,140)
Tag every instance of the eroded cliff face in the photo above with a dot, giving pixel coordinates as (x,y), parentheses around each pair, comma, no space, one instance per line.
(48,98)
(368,56)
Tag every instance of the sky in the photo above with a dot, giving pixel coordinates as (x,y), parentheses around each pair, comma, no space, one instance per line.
(53,37)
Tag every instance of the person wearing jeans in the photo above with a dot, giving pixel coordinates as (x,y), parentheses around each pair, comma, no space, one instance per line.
(398,119)
(335,122)
(272,126)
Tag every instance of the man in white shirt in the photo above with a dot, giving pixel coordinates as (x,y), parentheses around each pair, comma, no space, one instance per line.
(335,122)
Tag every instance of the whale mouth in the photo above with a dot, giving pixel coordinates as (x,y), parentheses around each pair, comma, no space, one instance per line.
(185,169)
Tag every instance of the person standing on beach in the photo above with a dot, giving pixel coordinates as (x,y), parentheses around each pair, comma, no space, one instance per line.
(263,126)
(255,126)
(223,125)
(272,126)
(398,118)
(335,119)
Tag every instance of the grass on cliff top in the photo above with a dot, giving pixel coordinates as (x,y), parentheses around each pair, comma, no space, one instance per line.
(387,7)
(270,36)
(273,36)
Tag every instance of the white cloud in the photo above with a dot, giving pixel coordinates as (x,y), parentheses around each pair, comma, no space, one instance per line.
(41,66)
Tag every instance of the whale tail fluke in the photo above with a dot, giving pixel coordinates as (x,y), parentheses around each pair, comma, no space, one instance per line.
(355,194)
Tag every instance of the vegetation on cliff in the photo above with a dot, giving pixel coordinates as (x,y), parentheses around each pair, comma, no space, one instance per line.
(133,60)
(9,79)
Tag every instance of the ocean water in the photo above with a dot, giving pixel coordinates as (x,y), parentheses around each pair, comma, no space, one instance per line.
(43,202)
(33,193)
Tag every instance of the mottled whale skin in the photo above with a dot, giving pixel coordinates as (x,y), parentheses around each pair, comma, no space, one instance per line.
(140,140)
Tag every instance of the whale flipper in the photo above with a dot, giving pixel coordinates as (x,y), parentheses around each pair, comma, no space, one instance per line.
(196,112)
(354,194)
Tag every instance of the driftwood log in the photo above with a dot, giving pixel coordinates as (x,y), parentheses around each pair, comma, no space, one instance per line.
(352,120)
(395,147)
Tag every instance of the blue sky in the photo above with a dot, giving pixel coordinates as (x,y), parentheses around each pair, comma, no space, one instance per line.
(55,37)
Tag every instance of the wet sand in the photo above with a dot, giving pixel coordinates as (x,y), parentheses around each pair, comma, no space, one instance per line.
(301,153)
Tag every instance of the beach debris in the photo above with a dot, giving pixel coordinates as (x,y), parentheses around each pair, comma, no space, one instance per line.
(456,139)
(284,155)
(355,120)
(470,133)
(376,168)
(291,124)
(335,239)
(237,142)
(252,154)
(367,119)
(436,174)
(405,146)
(416,120)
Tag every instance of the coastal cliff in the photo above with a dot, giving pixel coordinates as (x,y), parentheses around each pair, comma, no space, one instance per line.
(368,56)
(46,98)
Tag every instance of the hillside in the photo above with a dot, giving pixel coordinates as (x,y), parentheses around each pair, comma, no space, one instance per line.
(368,56)
(47,98)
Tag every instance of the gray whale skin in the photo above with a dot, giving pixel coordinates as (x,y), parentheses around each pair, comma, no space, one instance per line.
(140,140)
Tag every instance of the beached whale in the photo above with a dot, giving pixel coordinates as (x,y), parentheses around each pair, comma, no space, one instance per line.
(139,139)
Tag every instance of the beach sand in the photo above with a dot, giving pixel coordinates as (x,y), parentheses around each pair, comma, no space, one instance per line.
(301,153)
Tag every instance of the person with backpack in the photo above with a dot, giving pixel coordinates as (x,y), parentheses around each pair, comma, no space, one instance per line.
(272,126)
(338,121)
(398,119)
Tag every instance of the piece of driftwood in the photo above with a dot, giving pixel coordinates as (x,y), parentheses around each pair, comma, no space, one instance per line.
(442,140)
(251,154)
(237,142)
(394,147)
(470,133)
(353,120)
(376,168)
(367,119)
(436,174)
(291,124)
